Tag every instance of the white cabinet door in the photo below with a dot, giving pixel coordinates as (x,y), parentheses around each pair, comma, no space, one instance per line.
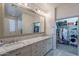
(49,44)
(25,51)
(36,49)
(44,47)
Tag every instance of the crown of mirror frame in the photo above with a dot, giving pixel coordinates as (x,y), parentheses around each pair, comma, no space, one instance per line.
(35,9)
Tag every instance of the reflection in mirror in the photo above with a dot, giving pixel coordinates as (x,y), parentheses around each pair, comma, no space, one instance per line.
(12,25)
(37,27)
(16,21)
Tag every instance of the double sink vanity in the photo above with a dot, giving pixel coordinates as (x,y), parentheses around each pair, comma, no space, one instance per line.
(37,46)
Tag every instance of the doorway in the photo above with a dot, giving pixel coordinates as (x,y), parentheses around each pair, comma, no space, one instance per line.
(67,34)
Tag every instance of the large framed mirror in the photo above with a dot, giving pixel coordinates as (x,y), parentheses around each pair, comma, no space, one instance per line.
(17,21)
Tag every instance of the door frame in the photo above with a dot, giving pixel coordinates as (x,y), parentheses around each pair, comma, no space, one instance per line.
(77,30)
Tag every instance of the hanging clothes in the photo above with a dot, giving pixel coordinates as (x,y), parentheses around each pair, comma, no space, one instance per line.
(60,33)
(65,34)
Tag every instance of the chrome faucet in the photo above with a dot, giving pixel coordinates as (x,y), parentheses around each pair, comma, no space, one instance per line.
(1,43)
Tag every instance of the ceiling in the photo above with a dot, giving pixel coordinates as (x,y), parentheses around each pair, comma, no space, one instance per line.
(44,6)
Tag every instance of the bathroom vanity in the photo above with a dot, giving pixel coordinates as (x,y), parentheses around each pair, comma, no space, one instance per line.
(38,46)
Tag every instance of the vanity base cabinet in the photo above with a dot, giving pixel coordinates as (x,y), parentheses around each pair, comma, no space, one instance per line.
(42,47)
(36,49)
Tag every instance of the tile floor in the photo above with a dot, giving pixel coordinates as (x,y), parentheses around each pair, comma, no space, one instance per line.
(63,50)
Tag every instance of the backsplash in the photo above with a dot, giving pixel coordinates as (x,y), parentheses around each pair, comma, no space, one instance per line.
(15,39)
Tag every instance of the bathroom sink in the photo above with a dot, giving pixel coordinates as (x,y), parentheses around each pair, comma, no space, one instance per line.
(1,44)
(12,46)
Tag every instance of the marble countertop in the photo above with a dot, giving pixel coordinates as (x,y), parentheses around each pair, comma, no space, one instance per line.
(16,45)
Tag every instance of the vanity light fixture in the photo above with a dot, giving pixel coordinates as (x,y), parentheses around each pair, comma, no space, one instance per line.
(37,10)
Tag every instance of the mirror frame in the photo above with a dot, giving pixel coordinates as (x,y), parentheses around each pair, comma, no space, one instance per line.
(4,15)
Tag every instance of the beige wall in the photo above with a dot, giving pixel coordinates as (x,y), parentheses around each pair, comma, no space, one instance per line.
(1,20)
(51,26)
(67,10)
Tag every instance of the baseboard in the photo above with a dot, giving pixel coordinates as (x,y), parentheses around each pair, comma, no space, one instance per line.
(48,52)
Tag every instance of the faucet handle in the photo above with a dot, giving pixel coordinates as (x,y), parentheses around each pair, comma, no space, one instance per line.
(1,41)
